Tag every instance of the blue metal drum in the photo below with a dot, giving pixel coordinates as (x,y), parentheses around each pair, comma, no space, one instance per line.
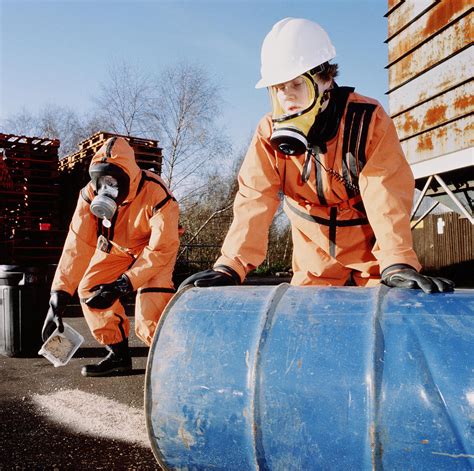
(313,378)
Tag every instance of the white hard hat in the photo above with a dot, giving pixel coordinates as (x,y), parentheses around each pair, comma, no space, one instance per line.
(291,48)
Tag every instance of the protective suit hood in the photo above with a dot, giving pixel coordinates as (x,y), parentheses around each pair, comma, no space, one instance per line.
(117,151)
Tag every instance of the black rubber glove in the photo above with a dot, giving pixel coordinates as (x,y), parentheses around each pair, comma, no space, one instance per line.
(105,295)
(404,276)
(58,302)
(222,276)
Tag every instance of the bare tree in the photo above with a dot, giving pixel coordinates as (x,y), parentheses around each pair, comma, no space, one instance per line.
(54,122)
(124,99)
(22,123)
(184,114)
(179,108)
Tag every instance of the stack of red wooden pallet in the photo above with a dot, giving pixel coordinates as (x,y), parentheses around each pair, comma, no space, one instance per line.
(30,228)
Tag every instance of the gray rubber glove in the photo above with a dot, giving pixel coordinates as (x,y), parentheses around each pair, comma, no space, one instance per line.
(404,276)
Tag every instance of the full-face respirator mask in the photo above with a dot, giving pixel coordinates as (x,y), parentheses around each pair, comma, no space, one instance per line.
(295,106)
(111,185)
(293,53)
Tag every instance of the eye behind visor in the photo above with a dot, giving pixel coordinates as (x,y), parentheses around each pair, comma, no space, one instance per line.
(303,91)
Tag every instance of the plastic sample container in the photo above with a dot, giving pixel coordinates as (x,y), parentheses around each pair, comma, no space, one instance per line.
(309,378)
(60,347)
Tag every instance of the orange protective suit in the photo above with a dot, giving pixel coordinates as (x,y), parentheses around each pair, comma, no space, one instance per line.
(142,243)
(337,232)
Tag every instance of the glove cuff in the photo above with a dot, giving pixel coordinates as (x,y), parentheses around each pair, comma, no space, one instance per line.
(394,268)
(229,271)
(61,297)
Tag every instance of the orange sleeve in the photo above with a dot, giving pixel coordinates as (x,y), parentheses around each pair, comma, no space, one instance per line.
(387,187)
(79,247)
(256,202)
(159,255)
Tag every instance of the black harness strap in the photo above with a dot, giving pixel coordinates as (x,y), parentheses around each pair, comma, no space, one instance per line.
(319,183)
(327,222)
(111,229)
(149,178)
(162,203)
(356,127)
(142,182)
(361,157)
(85,196)
(110,144)
(332,222)
(120,326)
(332,231)
(154,180)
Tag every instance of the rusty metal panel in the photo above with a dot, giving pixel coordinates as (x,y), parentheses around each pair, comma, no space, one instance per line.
(450,41)
(449,74)
(392,5)
(406,13)
(427,25)
(453,104)
(454,136)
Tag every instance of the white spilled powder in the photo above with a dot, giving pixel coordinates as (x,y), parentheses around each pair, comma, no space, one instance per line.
(94,415)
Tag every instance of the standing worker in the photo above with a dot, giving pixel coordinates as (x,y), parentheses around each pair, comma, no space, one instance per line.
(336,157)
(123,237)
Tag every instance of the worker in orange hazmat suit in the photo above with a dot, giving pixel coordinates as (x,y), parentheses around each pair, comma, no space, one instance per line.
(123,237)
(336,158)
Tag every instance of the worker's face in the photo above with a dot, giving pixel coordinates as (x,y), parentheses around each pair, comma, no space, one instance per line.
(294,96)
(108,185)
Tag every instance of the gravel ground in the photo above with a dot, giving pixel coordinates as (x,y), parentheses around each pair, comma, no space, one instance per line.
(55,419)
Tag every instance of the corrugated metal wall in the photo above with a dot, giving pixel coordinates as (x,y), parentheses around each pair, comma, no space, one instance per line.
(431,101)
(431,87)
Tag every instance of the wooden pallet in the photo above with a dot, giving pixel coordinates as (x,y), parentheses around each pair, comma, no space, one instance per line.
(30,196)
(8,141)
(100,137)
(146,151)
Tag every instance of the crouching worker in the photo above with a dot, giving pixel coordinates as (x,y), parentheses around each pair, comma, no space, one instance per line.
(336,157)
(123,237)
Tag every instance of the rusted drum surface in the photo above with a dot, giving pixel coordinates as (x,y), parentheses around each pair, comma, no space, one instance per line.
(302,378)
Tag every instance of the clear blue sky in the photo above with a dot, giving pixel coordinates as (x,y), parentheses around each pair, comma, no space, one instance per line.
(58,51)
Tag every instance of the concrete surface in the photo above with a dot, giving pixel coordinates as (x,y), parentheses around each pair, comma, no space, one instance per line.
(56,419)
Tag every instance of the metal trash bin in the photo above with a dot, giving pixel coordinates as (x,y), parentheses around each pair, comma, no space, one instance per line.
(24,296)
(308,378)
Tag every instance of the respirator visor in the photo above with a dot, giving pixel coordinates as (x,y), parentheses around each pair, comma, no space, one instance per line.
(295,105)
(293,98)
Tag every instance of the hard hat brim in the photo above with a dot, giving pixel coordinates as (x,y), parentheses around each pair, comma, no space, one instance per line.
(292,74)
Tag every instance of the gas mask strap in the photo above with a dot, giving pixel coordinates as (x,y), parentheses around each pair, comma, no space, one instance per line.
(313,152)
(306,172)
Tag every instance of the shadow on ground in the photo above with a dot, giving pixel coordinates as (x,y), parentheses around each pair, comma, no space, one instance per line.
(30,441)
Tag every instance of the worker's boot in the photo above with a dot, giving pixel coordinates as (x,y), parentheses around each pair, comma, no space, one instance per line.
(118,361)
